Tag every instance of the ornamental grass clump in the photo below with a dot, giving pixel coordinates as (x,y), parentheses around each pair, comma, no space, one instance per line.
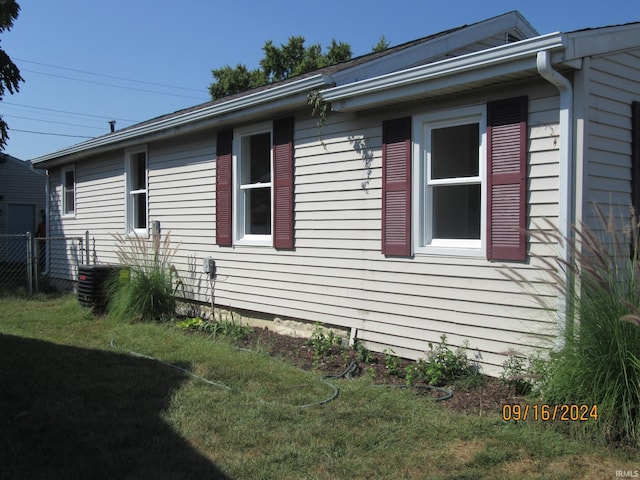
(148,291)
(598,361)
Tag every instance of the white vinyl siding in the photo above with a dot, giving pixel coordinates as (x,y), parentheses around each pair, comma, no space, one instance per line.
(613,84)
(337,274)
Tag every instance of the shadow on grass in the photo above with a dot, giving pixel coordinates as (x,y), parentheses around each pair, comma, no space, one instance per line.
(71,413)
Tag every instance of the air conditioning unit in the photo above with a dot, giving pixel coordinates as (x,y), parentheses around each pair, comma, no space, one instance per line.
(92,285)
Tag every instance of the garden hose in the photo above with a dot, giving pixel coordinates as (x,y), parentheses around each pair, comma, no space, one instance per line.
(446,393)
(347,374)
(332,397)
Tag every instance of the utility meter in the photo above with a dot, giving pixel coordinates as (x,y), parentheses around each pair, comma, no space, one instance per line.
(209,266)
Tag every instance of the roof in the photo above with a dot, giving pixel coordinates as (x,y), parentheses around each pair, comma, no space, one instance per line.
(413,70)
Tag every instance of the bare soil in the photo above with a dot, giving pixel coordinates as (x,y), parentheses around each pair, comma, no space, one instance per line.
(486,396)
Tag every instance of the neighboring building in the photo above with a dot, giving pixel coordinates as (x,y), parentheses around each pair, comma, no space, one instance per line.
(397,217)
(22,196)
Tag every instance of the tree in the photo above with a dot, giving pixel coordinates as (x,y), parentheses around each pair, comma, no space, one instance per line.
(9,73)
(382,45)
(278,63)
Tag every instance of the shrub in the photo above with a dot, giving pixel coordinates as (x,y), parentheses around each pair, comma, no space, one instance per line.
(149,292)
(598,363)
(441,365)
(524,375)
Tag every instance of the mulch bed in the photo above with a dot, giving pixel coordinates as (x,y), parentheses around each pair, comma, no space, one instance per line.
(488,397)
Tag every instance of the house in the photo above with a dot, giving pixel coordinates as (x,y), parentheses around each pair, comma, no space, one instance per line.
(22,204)
(360,219)
(22,196)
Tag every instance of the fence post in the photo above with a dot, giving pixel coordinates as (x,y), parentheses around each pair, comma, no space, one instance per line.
(29,262)
(86,242)
(36,263)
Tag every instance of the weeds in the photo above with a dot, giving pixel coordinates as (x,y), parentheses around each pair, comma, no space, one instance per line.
(216,329)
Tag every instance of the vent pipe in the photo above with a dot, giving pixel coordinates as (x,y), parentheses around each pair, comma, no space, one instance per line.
(112,125)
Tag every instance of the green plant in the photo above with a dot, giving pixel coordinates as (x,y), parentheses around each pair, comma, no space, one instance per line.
(441,365)
(319,107)
(189,323)
(598,363)
(392,362)
(149,291)
(515,374)
(323,341)
(226,328)
(363,353)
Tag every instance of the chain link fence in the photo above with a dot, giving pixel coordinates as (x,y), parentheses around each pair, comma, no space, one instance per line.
(31,264)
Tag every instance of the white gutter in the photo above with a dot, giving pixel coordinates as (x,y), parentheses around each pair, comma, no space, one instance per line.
(565,200)
(268,95)
(476,61)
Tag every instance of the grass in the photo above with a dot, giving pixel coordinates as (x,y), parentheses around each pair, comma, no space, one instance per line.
(74,407)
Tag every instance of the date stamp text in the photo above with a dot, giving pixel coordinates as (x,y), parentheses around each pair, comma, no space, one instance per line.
(563,412)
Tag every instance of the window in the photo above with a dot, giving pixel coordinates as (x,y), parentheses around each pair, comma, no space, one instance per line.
(449,174)
(252,159)
(68,191)
(136,191)
(254,185)
(454,182)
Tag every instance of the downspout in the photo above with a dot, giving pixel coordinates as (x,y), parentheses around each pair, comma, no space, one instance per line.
(47,224)
(565,200)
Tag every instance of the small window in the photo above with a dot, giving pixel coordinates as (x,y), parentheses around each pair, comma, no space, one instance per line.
(253,185)
(69,191)
(136,192)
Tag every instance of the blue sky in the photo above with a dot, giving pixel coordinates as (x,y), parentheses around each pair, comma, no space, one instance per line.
(61,45)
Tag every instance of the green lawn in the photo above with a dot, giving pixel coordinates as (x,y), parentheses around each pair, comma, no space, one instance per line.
(75,405)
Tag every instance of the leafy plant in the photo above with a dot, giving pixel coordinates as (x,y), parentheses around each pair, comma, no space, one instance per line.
(149,291)
(525,375)
(363,353)
(323,340)
(392,362)
(226,328)
(515,374)
(441,365)
(190,323)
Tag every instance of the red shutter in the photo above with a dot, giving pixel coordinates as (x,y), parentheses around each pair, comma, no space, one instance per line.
(283,183)
(506,179)
(224,191)
(396,187)
(635,158)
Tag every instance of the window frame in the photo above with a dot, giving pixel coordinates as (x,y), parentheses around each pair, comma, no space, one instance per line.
(423,184)
(65,211)
(130,205)
(240,237)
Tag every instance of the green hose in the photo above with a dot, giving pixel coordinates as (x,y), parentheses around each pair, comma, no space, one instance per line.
(347,374)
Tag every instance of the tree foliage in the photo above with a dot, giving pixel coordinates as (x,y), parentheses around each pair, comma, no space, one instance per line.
(10,77)
(278,63)
(382,45)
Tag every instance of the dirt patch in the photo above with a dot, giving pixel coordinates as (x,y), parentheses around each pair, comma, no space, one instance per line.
(486,396)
